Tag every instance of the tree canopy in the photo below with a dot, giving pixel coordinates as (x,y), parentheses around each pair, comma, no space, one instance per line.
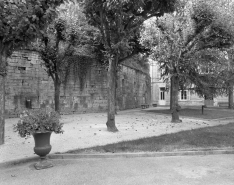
(187,35)
(119,22)
(176,40)
(23,20)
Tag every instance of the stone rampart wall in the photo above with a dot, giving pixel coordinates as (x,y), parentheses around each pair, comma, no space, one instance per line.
(28,85)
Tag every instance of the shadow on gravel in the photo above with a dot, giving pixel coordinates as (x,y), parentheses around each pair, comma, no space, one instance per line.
(207,138)
(196,112)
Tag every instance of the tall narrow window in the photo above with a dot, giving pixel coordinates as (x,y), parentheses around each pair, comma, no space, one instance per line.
(162,93)
(183,95)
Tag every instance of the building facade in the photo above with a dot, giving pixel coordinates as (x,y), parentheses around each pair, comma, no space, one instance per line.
(160,92)
(28,86)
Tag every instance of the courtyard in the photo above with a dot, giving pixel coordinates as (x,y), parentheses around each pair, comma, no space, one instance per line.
(89,130)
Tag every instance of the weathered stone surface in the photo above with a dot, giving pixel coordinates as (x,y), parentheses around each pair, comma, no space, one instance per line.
(28,84)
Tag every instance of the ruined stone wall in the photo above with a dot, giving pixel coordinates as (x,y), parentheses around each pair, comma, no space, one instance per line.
(28,85)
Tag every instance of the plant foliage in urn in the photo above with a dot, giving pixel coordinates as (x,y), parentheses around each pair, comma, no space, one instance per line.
(38,121)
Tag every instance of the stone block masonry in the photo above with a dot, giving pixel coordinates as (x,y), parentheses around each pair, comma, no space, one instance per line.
(28,86)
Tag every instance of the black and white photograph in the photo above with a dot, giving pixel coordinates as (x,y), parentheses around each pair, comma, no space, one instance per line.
(116,92)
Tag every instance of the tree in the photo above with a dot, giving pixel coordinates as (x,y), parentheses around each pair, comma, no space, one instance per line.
(119,22)
(67,44)
(222,60)
(216,74)
(175,41)
(21,21)
(209,81)
(230,78)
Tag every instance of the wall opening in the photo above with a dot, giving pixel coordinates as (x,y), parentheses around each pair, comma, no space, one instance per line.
(162,93)
(28,103)
(22,68)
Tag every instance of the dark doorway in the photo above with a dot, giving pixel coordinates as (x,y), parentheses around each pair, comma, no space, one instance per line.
(28,103)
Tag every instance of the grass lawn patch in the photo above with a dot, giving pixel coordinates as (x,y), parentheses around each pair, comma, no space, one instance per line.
(208,137)
(197,113)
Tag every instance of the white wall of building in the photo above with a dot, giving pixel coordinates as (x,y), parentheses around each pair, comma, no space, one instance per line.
(189,99)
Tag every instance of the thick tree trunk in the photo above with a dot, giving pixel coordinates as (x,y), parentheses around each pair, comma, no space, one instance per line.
(174,101)
(2,94)
(57,85)
(111,95)
(230,97)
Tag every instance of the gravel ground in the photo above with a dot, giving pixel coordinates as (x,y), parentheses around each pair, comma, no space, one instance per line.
(87,130)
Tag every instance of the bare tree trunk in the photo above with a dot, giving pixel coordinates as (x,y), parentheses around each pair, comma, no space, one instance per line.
(230,96)
(111,95)
(2,109)
(57,85)
(231,83)
(174,101)
(116,103)
(171,90)
(2,94)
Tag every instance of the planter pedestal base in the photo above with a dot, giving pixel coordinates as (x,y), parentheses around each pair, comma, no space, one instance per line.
(43,164)
(42,148)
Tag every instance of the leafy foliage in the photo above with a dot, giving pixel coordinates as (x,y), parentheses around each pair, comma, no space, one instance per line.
(211,77)
(43,120)
(67,42)
(23,21)
(139,62)
(180,40)
(119,22)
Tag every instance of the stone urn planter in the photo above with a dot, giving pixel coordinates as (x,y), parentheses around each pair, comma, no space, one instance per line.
(42,148)
(39,123)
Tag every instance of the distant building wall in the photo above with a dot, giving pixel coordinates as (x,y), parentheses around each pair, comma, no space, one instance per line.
(192,98)
(160,98)
(28,85)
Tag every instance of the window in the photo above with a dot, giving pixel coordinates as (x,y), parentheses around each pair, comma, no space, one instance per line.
(184,95)
(28,104)
(21,68)
(162,93)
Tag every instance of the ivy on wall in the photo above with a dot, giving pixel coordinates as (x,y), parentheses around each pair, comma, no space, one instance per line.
(77,69)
